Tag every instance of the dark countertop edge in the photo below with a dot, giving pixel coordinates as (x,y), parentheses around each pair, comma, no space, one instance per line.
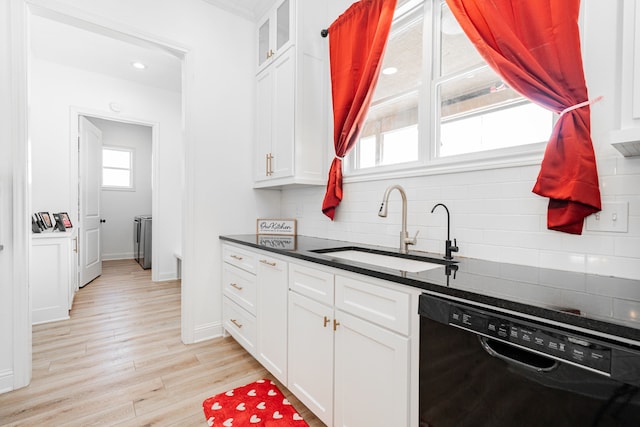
(599,327)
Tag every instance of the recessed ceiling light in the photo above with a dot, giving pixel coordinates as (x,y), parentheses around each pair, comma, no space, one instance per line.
(389,71)
(138,65)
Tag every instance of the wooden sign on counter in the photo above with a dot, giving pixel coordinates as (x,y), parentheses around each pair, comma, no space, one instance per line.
(278,227)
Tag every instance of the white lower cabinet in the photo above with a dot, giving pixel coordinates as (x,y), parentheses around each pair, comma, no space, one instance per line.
(239,290)
(254,305)
(311,348)
(53,275)
(371,375)
(240,324)
(350,361)
(272,316)
(345,344)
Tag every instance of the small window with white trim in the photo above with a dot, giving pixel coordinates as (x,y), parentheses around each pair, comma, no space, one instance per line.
(117,168)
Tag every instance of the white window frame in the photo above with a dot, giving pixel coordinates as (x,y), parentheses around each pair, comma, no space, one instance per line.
(429,128)
(131,169)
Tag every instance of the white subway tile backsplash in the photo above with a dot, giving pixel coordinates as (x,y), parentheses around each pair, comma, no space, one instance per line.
(627,309)
(495,217)
(563,260)
(614,266)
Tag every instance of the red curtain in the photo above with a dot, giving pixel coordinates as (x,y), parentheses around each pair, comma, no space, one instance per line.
(357,40)
(535,47)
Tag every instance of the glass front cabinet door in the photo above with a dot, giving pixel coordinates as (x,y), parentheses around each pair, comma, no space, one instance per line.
(274,32)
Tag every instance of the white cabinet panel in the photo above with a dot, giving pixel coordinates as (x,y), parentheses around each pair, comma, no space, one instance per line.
(383,306)
(272,316)
(53,275)
(311,355)
(315,284)
(239,286)
(371,375)
(240,324)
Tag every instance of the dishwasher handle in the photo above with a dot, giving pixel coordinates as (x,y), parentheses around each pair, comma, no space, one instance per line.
(518,356)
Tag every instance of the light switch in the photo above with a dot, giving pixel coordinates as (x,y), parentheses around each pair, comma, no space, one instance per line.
(614,217)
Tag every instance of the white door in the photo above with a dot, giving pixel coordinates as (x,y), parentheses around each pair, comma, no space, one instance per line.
(90,255)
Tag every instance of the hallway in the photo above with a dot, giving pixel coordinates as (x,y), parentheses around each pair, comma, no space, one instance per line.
(119,360)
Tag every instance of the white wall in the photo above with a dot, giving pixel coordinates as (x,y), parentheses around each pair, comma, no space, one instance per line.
(56,91)
(218,115)
(6,218)
(119,207)
(494,214)
(15,317)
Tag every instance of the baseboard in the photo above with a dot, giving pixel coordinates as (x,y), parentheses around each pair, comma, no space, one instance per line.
(6,381)
(113,257)
(208,331)
(169,275)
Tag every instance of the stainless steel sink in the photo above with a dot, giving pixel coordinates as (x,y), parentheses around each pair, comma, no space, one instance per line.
(391,260)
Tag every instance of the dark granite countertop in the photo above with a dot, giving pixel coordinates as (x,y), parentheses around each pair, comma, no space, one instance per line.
(575,299)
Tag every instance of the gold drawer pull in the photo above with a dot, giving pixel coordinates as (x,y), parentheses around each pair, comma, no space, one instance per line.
(326,321)
(235,322)
(238,257)
(335,324)
(235,285)
(272,264)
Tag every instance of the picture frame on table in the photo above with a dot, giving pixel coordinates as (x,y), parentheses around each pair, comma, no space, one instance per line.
(63,217)
(46,218)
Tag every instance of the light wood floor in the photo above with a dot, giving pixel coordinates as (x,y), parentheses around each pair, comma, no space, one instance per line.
(119,361)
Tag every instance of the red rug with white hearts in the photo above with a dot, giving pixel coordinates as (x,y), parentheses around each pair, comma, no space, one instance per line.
(259,404)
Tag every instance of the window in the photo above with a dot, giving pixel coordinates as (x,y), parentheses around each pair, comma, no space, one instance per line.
(117,168)
(437,99)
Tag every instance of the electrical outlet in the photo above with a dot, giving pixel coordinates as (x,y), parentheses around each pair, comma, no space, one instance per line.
(614,217)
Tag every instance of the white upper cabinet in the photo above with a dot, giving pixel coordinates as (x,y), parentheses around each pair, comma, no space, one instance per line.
(275,32)
(626,139)
(291,96)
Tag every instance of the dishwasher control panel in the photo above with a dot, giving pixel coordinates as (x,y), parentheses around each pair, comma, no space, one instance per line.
(572,348)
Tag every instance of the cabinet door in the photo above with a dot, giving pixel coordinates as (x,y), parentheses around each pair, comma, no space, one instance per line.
(275,32)
(50,278)
(283,130)
(371,375)
(264,41)
(283,17)
(272,289)
(239,286)
(311,355)
(264,115)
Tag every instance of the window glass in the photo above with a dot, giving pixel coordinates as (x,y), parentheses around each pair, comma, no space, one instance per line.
(116,178)
(116,158)
(393,114)
(117,165)
(437,97)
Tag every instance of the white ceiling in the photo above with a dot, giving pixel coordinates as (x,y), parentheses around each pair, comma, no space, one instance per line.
(96,51)
(91,51)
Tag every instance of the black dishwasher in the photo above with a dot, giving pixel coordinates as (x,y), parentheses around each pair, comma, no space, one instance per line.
(480,367)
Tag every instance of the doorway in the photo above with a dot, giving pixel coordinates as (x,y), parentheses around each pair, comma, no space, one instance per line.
(115,187)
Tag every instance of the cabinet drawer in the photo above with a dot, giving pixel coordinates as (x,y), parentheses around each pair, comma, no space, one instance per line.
(315,284)
(240,258)
(240,324)
(386,307)
(240,286)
